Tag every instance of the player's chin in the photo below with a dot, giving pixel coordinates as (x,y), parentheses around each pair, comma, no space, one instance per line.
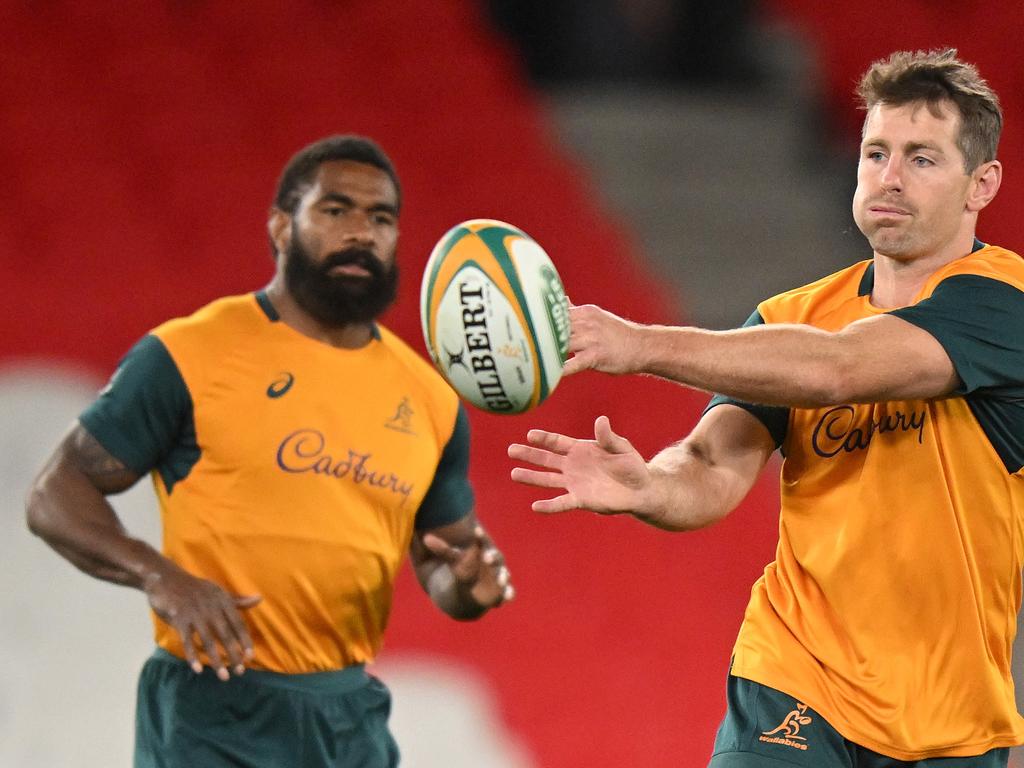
(887,242)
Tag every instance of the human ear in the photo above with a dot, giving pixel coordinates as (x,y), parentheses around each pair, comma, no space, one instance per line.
(279,228)
(985,181)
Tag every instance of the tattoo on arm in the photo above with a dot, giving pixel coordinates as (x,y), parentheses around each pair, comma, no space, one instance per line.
(105,472)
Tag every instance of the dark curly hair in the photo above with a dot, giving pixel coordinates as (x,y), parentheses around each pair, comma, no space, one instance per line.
(298,174)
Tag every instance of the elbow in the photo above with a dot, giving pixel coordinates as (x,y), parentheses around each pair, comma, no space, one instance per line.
(704,518)
(679,519)
(35,519)
(711,516)
(37,516)
(685,523)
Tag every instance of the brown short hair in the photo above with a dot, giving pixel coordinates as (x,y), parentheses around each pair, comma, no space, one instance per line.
(933,77)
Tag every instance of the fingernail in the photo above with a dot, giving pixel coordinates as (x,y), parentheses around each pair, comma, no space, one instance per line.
(223,674)
(197,667)
(490,556)
(239,670)
(248,653)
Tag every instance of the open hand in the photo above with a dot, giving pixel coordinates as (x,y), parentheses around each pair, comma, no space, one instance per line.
(605,475)
(197,607)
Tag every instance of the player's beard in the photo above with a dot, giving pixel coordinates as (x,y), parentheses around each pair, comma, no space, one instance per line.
(339,300)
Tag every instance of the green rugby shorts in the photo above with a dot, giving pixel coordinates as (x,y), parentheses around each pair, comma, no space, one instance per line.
(260,719)
(765,728)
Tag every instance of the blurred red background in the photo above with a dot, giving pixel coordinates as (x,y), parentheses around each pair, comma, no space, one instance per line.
(141,150)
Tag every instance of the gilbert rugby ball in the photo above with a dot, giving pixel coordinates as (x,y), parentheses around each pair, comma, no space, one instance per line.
(495,316)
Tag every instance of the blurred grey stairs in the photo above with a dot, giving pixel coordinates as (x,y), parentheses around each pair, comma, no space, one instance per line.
(734,196)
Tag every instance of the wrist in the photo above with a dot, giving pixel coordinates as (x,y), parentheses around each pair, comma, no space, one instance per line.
(647,345)
(638,344)
(150,567)
(655,503)
(661,350)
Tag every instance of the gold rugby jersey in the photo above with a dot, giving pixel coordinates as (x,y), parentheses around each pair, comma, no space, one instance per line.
(891,605)
(288,468)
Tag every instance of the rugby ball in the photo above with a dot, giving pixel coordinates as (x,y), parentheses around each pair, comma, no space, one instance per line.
(495,316)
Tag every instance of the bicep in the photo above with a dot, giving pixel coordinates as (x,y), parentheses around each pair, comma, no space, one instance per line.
(80,461)
(888,358)
(979,323)
(82,452)
(68,494)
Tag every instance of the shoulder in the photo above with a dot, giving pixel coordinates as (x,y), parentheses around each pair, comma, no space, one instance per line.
(198,343)
(415,368)
(991,262)
(222,319)
(820,296)
(226,314)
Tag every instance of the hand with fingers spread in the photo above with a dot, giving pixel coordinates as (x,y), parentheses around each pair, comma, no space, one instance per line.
(605,475)
(601,341)
(465,575)
(199,608)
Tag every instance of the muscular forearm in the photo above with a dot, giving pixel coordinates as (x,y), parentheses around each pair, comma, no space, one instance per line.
(76,520)
(871,360)
(688,491)
(794,365)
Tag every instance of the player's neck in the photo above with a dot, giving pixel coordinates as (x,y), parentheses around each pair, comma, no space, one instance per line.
(351,336)
(898,281)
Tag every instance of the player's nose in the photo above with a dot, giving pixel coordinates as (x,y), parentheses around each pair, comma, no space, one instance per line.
(891,178)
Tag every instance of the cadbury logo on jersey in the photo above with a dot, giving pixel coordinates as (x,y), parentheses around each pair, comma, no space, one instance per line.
(839,431)
(304,450)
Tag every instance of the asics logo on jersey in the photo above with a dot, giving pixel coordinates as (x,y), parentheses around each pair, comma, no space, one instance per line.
(787,732)
(280,385)
(305,451)
(840,432)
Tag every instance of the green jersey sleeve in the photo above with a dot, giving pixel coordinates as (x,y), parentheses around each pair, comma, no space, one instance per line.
(774,417)
(143,417)
(979,321)
(450,496)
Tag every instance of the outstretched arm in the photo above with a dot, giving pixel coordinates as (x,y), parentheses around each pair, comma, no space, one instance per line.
(877,358)
(461,569)
(67,507)
(689,485)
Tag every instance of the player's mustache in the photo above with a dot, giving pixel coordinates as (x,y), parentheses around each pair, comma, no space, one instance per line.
(358,256)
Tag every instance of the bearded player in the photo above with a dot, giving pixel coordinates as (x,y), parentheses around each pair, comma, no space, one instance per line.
(297,449)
